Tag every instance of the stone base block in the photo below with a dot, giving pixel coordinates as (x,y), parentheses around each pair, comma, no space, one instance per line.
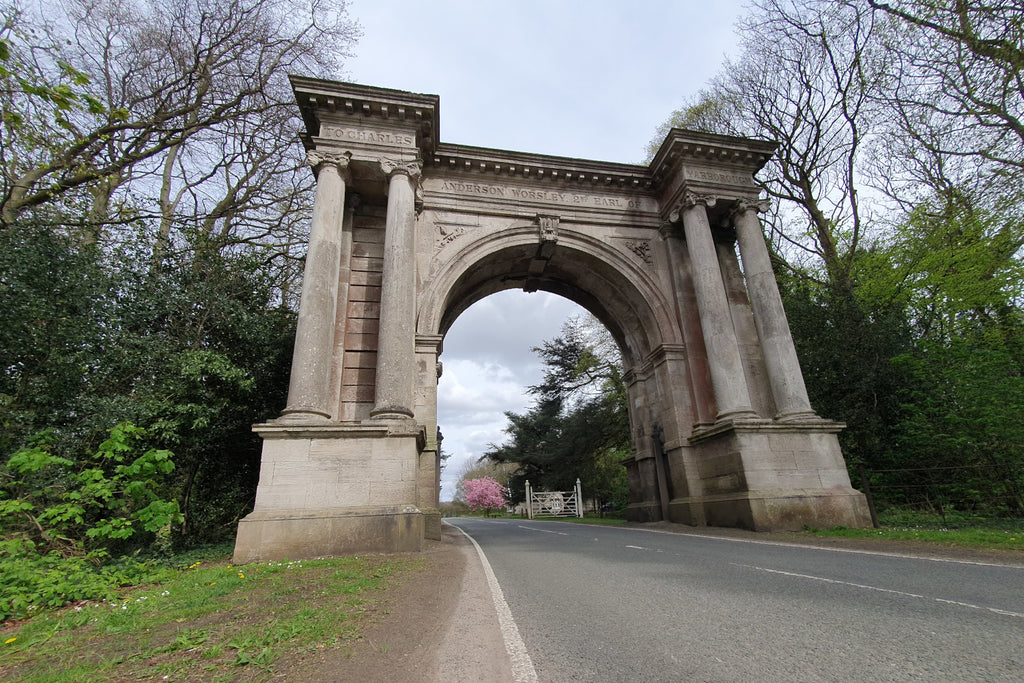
(686,511)
(643,512)
(789,510)
(773,476)
(336,489)
(305,534)
(432,524)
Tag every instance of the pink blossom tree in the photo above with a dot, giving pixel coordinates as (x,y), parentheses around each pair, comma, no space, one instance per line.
(484,494)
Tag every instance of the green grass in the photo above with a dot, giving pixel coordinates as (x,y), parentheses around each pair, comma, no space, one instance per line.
(210,621)
(951,529)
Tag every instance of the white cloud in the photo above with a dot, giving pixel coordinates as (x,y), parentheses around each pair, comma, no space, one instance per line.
(581,79)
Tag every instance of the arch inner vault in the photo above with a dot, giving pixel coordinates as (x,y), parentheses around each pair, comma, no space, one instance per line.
(408,232)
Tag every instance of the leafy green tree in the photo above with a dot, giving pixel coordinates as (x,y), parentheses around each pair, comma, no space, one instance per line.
(54,326)
(579,424)
(63,520)
(153,200)
(195,351)
(923,362)
(956,270)
(960,429)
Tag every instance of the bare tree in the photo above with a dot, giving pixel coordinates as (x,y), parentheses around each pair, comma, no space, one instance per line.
(185,116)
(956,98)
(805,80)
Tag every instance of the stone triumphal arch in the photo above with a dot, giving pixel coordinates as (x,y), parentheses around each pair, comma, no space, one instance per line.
(408,231)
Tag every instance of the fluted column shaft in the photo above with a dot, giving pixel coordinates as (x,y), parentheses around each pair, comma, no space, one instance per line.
(784,375)
(309,385)
(724,361)
(396,342)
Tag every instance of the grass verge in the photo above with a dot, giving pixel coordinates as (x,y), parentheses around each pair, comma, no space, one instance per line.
(958,530)
(210,621)
(966,538)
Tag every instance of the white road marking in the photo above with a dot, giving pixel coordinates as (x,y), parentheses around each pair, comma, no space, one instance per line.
(805,546)
(543,531)
(636,547)
(522,665)
(877,588)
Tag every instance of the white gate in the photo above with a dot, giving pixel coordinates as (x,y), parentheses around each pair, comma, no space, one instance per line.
(554,503)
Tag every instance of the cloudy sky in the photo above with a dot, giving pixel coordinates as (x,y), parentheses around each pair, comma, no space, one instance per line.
(590,79)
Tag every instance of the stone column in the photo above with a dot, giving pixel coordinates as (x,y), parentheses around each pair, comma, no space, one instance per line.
(396,345)
(784,375)
(723,351)
(309,385)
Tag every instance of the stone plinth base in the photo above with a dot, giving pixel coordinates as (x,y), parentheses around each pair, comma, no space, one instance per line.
(304,534)
(687,511)
(643,512)
(335,489)
(773,476)
(790,510)
(432,524)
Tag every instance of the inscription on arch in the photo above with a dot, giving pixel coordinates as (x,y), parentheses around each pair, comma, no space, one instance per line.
(380,137)
(564,197)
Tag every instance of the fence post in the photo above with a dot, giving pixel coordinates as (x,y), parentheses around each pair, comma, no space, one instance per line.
(529,501)
(579,498)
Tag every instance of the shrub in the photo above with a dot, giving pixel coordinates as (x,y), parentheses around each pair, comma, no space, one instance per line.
(60,521)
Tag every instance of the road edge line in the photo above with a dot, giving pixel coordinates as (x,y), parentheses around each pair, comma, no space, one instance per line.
(522,665)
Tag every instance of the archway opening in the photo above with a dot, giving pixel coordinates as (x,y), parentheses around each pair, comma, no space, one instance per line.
(532,390)
(488,367)
(606,289)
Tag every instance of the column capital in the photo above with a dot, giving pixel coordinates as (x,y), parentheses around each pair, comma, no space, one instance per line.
(318,160)
(758,205)
(692,199)
(412,169)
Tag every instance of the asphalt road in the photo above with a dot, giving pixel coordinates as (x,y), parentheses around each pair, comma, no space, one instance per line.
(619,604)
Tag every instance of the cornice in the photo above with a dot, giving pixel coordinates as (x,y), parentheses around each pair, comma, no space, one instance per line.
(368,103)
(352,104)
(709,149)
(498,163)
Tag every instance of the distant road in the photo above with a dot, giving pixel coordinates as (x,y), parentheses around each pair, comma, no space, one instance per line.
(599,603)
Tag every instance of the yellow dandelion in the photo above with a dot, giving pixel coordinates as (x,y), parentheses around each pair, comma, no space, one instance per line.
(10,640)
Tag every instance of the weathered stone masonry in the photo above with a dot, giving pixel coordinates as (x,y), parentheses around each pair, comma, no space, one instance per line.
(408,232)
